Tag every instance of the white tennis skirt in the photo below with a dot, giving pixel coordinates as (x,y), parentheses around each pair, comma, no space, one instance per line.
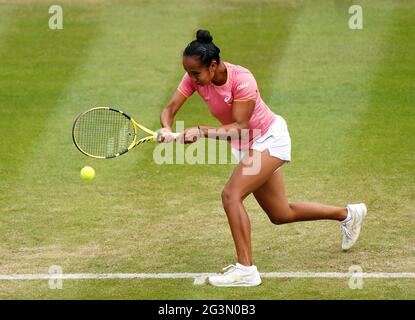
(277,140)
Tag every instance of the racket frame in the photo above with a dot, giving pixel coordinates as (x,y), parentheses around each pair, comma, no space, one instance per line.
(153,136)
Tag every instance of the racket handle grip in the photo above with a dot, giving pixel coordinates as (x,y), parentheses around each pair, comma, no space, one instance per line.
(175,135)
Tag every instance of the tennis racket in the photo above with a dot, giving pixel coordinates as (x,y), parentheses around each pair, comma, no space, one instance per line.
(105,133)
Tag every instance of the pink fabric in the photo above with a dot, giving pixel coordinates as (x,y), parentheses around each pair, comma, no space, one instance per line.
(240,85)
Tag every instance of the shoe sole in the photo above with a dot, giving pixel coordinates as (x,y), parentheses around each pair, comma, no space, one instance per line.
(236,284)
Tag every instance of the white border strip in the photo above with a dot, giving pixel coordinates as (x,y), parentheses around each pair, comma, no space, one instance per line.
(80,276)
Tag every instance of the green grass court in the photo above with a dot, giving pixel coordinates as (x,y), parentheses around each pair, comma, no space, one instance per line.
(347,96)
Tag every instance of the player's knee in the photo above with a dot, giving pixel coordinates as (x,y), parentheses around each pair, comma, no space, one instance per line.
(230,196)
(278,220)
(281,217)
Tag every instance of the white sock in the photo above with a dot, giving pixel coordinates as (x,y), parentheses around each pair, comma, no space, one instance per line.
(349,216)
(246,268)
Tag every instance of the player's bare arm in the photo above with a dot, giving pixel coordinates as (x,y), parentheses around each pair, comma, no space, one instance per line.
(241,112)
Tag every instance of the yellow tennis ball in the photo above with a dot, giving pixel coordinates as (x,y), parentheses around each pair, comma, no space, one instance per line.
(87,173)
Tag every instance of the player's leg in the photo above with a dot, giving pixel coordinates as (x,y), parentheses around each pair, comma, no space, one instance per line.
(236,189)
(242,183)
(271,197)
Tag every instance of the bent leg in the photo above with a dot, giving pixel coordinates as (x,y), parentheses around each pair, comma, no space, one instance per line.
(236,189)
(272,199)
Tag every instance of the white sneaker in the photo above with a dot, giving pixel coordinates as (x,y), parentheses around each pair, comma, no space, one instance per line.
(351,228)
(237,276)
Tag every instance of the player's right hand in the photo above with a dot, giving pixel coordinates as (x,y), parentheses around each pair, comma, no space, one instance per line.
(165,135)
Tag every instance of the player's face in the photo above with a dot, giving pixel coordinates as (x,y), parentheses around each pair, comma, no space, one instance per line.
(200,74)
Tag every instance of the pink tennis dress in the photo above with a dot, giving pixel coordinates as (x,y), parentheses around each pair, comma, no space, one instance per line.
(240,86)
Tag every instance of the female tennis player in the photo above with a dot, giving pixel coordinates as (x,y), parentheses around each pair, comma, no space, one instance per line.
(232,96)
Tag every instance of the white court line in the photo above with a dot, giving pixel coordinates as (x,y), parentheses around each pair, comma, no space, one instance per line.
(80,276)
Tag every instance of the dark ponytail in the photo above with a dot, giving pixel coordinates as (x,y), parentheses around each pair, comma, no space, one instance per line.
(203,48)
